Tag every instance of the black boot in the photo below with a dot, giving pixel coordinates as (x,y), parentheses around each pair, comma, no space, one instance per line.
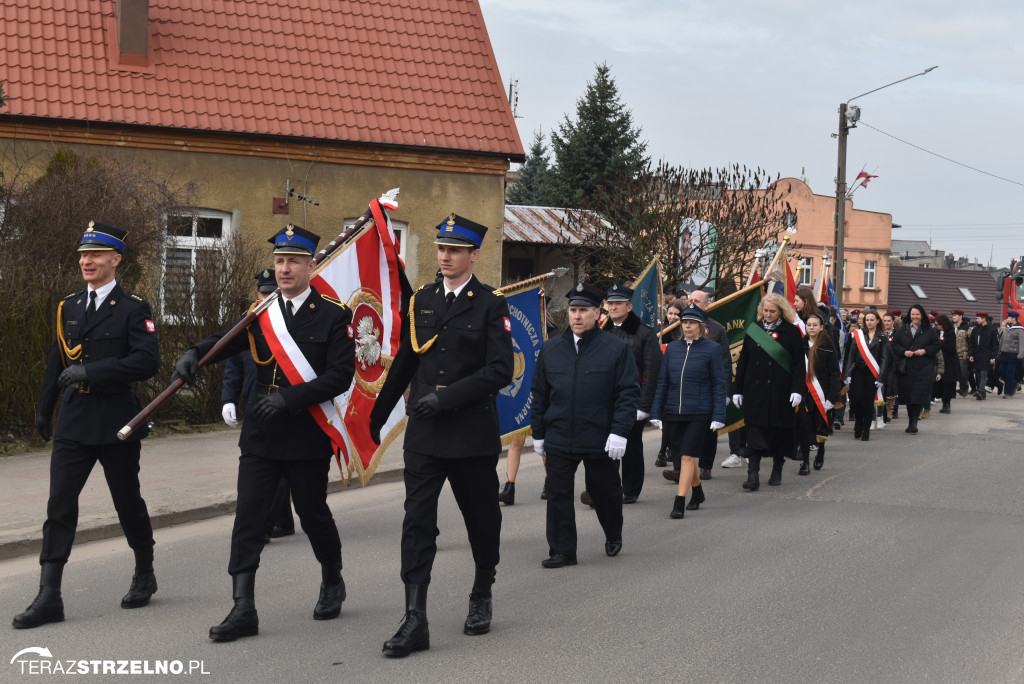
(805,465)
(678,508)
(332,592)
(752,482)
(48,605)
(478,621)
(412,635)
(775,479)
(945,407)
(507,495)
(242,621)
(858,429)
(143,582)
(912,427)
(544,491)
(819,460)
(661,461)
(696,498)
(866,435)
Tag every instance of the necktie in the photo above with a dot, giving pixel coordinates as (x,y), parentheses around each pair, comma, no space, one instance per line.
(290,308)
(91,309)
(578,346)
(449,298)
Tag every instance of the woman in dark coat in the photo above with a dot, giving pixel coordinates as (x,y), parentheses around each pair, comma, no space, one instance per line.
(915,346)
(859,373)
(770,378)
(945,386)
(671,316)
(813,416)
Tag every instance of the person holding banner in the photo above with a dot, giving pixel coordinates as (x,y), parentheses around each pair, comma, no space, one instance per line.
(865,372)
(821,392)
(769,385)
(305,355)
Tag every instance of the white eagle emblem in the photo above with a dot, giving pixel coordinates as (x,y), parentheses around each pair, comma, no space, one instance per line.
(367,344)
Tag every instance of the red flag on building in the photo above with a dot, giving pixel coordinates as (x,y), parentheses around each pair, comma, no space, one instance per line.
(865,176)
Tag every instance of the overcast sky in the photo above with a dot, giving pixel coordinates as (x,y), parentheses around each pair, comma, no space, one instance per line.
(760,83)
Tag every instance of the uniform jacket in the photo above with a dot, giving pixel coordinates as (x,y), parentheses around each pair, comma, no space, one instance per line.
(765,385)
(879,348)
(916,374)
(321,330)
(691,381)
(983,344)
(646,348)
(467,364)
(578,400)
(239,380)
(119,346)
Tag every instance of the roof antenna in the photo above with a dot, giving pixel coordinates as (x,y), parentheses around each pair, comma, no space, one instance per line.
(289,192)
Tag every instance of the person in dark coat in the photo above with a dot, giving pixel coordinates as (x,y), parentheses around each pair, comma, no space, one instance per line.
(690,402)
(715,332)
(945,386)
(769,386)
(982,349)
(889,388)
(821,391)
(106,342)
(584,399)
(281,434)
(646,348)
(672,312)
(457,346)
(866,376)
(915,346)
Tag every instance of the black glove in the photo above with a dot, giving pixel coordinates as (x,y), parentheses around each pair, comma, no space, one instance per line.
(43,425)
(187,367)
(69,376)
(269,406)
(427,407)
(375,432)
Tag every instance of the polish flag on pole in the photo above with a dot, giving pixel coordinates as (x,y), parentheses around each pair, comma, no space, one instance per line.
(864,177)
(367,275)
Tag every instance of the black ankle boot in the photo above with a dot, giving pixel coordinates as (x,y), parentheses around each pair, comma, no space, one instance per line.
(507,495)
(48,605)
(661,461)
(858,429)
(478,621)
(242,621)
(945,408)
(696,498)
(819,460)
(805,466)
(866,434)
(412,634)
(775,479)
(332,592)
(678,508)
(752,483)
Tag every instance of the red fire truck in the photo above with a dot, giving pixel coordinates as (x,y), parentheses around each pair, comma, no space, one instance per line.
(1012,288)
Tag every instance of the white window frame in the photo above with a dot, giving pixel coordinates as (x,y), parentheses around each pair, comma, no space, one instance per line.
(806,271)
(870,270)
(966,292)
(918,292)
(191,242)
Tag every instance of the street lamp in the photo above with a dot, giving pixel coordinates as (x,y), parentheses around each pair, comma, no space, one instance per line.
(848,117)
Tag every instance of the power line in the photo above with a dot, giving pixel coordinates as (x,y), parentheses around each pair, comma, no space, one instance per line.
(936,154)
(957,225)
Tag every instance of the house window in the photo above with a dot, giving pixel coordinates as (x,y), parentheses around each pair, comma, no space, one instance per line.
(401,231)
(806,271)
(918,292)
(968,295)
(192,246)
(869,274)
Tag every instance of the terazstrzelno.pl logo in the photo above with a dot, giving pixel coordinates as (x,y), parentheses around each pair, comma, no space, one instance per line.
(40,661)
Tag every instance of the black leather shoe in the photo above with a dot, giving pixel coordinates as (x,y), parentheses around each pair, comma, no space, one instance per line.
(678,508)
(858,430)
(413,634)
(611,548)
(278,531)
(912,430)
(775,479)
(242,621)
(48,605)
(819,460)
(805,468)
(585,498)
(332,592)
(705,474)
(142,589)
(753,482)
(630,498)
(946,409)
(672,475)
(544,491)
(660,461)
(479,619)
(559,560)
(507,495)
(696,498)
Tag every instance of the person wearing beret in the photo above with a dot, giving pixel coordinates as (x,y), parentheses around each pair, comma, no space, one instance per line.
(305,357)
(915,346)
(1011,352)
(106,342)
(457,347)
(584,399)
(961,329)
(982,349)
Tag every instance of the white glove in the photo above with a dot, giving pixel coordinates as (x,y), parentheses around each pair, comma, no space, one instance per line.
(657,423)
(727,400)
(828,405)
(795,399)
(538,447)
(738,400)
(848,380)
(615,446)
(642,415)
(230,416)
(879,385)
(715,425)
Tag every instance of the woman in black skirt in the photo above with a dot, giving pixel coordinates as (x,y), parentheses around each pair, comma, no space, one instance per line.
(813,416)
(690,401)
(672,314)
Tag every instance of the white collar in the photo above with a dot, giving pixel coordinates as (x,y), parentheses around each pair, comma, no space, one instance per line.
(457,290)
(299,299)
(101,293)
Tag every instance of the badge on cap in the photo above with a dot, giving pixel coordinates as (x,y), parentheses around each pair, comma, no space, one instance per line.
(615,286)
(266,273)
(579,288)
(450,223)
(289,231)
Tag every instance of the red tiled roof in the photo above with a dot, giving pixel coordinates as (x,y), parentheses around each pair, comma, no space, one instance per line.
(417,73)
(550,225)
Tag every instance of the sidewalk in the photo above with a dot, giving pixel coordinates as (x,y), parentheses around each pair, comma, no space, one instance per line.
(184,478)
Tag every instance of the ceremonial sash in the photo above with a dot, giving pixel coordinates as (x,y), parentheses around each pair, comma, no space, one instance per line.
(770,345)
(297,369)
(869,359)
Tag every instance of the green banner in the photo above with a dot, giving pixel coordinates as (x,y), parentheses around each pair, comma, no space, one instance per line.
(735,313)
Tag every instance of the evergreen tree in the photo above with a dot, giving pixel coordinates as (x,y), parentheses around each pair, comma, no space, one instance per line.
(531,181)
(600,148)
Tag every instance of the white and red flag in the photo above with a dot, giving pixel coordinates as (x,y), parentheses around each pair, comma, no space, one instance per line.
(367,275)
(864,177)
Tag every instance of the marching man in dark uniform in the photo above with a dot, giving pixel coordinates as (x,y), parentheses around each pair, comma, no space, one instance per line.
(457,346)
(584,400)
(281,432)
(106,340)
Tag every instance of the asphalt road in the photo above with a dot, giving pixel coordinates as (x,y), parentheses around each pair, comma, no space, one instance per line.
(901,561)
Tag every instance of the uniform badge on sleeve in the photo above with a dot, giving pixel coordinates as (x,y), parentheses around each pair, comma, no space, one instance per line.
(508,325)
(351,334)
(150,326)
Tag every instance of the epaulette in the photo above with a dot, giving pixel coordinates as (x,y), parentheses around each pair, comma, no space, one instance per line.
(499,293)
(423,286)
(135,296)
(74,294)
(334,301)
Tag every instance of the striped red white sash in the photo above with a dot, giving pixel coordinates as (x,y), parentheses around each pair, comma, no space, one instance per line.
(869,359)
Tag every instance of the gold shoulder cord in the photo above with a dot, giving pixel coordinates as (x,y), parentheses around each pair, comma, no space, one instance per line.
(412,328)
(252,342)
(69,353)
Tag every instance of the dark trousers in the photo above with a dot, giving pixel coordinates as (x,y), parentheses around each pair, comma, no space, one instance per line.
(602,482)
(1007,368)
(281,507)
(738,442)
(258,479)
(862,396)
(981,376)
(70,465)
(474,483)
(966,377)
(633,461)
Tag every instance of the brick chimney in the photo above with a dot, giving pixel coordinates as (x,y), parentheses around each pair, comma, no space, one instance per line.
(133,31)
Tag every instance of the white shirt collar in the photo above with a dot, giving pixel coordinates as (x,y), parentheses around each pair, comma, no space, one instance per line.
(457,290)
(101,293)
(298,300)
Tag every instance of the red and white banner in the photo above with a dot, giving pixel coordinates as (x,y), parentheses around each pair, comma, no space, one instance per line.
(365,274)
